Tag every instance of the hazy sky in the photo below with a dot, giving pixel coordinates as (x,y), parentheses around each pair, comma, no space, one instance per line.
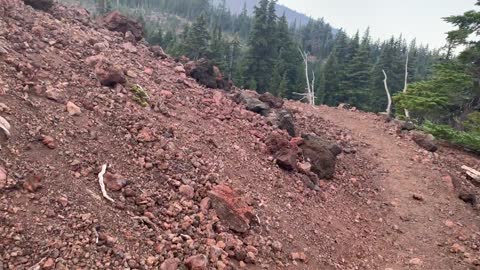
(419,19)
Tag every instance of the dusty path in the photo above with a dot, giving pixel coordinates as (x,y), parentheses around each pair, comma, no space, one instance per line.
(439,232)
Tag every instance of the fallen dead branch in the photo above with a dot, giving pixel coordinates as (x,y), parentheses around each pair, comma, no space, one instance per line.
(37,265)
(102,184)
(474,174)
(5,126)
(96,235)
(146,220)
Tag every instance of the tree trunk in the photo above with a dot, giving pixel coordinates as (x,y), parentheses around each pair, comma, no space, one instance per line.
(310,95)
(407,113)
(389,105)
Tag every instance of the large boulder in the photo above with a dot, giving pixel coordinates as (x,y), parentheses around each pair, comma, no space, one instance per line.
(271,100)
(321,154)
(197,262)
(276,142)
(426,141)
(287,159)
(252,103)
(115,21)
(286,121)
(158,52)
(256,106)
(44,5)
(207,74)
(282,150)
(109,74)
(232,210)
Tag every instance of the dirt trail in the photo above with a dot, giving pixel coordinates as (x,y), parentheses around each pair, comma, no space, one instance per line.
(436,230)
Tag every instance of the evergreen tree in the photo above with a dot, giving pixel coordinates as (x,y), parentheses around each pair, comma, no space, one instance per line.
(282,87)
(356,83)
(196,43)
(259,59)
(217,52)
(331,76)
(234,54)
(156,38)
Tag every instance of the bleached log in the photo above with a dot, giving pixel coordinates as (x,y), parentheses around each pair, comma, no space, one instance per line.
(313,88)
(310,88)
(389,105)
(37,266)
(102,184)
(5,126)
(474,174)
(407,113)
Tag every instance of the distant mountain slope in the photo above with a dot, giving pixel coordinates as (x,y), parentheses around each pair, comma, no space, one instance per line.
(236,6)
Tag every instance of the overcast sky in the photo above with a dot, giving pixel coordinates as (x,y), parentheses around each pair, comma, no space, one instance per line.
(419,19)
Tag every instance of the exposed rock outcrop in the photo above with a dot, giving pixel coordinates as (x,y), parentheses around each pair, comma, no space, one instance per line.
(207,74)
(115,21)
(426,141)
(271,100)
(231,208)
(321,154)
(44,5)
(251,101)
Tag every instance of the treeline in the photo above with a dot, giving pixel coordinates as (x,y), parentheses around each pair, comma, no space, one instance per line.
(262,52)
(448,104)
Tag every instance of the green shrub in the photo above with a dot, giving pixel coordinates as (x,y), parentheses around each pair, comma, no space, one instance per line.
(140,95)
(472,124)
(468,139)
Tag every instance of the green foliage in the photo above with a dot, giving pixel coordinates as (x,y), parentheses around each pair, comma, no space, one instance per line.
(140,95)
(472,124)
(260,56)
(261,52)
(467,34)
(442,98)
(196,43)
(469,140)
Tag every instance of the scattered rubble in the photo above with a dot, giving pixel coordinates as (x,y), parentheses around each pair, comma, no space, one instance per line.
(196,178)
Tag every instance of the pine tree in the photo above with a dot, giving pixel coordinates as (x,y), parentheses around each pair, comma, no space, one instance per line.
(217,51)
(356,84)
(277,75)
(259,59)
(282,87)
(156,38)
(320,85)
(330,73)
(234,54)
(196,44)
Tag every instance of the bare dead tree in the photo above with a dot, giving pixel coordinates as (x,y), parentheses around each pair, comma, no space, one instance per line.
(389,105)
(313,86)
(407,113)
(310,95)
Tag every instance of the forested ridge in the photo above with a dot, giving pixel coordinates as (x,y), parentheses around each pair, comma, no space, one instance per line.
(264,52)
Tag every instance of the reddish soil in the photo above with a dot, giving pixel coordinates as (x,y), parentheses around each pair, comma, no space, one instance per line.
(390,204)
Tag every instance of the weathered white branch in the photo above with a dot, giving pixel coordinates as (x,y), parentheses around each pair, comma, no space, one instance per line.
(313,88)
(407,113)
(96,235)
(474,174)
(389,105)
(5,126)
(310,88)
(102,184)
(37,266)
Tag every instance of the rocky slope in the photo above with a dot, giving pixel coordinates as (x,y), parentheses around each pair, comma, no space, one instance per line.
(193,178)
